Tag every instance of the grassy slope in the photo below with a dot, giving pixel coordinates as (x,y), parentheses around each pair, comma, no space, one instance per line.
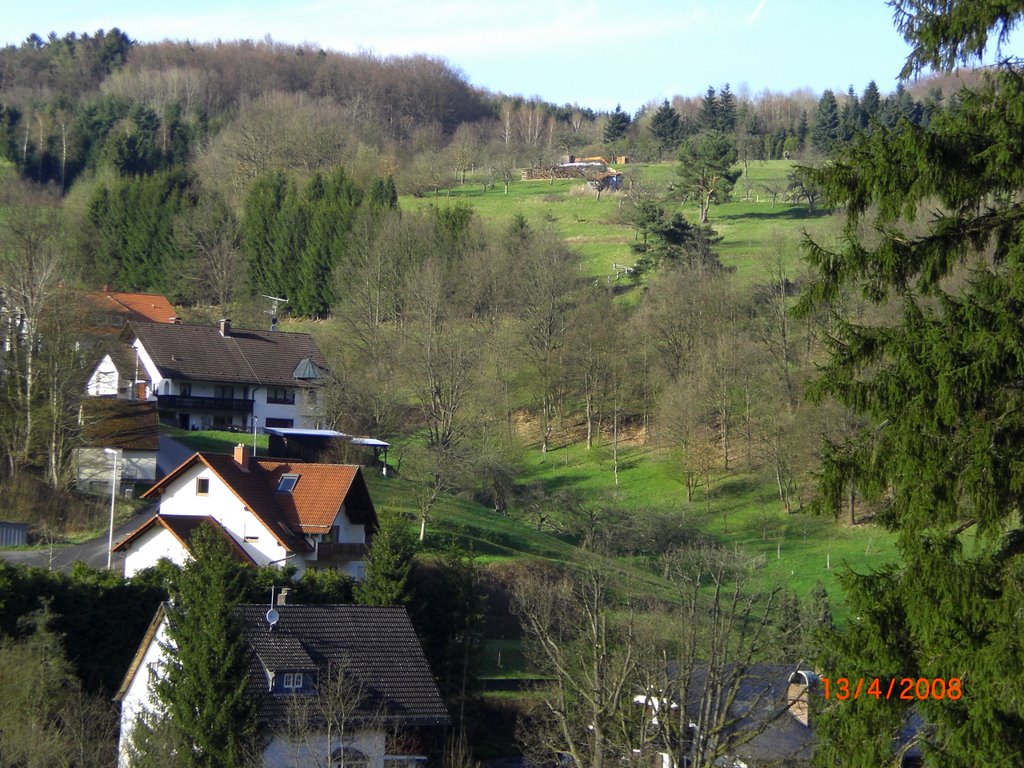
(751,229)
(743,510)
(792,550)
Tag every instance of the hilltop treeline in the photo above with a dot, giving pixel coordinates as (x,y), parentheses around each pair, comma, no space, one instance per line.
(77,104)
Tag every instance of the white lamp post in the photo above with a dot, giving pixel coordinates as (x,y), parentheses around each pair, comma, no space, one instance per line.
(116,454)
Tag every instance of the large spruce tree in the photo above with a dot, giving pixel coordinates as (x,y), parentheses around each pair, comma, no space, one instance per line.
(203,690)
(935,234)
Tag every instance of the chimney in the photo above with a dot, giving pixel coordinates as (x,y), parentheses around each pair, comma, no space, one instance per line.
(797,695)
(282,596)
(225,326)
(242,455)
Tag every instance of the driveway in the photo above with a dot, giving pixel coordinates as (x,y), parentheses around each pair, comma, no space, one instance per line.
(92,553)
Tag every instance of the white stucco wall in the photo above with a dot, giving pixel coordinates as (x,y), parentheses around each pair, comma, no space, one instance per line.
(153,374)
(139,698)
(302,414)
(104,378)
(95,467)
(180,498)
(312,751)
(147,550)
(348,532)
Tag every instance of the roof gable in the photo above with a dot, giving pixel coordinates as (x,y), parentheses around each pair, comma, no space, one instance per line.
(247,487)
(183,528)
(311,507)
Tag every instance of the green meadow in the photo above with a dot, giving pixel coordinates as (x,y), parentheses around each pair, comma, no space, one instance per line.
(753,226)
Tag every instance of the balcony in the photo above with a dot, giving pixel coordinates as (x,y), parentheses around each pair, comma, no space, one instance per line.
(328,551)
(194,403)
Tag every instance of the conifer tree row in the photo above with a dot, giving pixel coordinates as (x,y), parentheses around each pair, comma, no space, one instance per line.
(934,233)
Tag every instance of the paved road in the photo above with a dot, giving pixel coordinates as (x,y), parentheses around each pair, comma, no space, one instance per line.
(92,552)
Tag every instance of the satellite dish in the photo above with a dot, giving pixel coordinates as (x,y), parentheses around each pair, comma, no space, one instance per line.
(273,617)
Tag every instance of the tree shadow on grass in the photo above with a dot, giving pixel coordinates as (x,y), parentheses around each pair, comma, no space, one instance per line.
(788,214)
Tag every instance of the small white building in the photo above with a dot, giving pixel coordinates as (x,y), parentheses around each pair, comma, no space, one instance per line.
(273,511)
(294,651)
(131,428)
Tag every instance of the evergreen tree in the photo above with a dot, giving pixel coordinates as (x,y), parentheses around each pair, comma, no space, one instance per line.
(802,130)
(726,118)
(827,131)
(871,101)
(131,241)
(666,128)
(707,117)
(388,564)
(941,456)
(203,690)
(617,125)
(852,119)
(705,167)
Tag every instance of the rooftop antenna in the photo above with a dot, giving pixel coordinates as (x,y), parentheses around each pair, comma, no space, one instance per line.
(274,301)
(272,615)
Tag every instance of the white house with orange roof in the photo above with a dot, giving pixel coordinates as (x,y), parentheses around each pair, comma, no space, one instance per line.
(274,512)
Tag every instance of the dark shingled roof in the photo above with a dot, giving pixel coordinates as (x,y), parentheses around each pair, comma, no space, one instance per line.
(201,353)
(131,425)
(760,710)
(375,644)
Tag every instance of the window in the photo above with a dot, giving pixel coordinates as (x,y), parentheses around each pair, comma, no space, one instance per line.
(185,390)
(224,391)
(292,681)
(287,483)
(281,423)
(280,396)
(202,486)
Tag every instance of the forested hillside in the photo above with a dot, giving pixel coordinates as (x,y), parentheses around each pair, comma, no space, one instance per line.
(569,370)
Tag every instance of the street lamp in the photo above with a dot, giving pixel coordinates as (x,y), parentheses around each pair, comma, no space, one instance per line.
(115,453)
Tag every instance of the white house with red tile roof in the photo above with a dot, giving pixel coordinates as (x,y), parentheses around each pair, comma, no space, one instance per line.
(274,511)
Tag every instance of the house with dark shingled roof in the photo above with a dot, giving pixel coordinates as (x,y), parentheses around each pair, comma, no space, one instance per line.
(273,511)
(338,681)
(217,377)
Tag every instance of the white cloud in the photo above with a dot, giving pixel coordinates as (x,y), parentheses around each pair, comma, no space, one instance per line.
(757,12)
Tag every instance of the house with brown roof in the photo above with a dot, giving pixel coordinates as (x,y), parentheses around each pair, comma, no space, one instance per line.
(390,712)
(130,427)
(274,512)
(221,377)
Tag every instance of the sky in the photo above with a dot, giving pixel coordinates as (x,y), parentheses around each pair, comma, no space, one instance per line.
(595,53)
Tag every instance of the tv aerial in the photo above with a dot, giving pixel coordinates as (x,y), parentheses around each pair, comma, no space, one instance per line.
(274,301)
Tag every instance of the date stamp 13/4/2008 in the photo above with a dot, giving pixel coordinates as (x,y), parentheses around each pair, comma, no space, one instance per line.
(900,688)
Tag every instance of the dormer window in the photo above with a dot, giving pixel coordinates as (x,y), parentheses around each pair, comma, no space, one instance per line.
(292,681)
(287,483)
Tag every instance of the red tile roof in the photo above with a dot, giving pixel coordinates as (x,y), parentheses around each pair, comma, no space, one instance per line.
(144,307)
(309,508)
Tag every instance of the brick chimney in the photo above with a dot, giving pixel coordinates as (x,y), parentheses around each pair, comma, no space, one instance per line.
(801,683)
(282,596)
(243,453)
(225,326)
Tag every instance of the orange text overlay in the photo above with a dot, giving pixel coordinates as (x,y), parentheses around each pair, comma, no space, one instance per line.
(899,688)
